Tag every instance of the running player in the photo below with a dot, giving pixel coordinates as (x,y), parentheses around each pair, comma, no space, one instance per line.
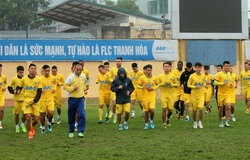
(148,83)
(233,85)
(197,82)
(167,81)
(18,99)
(187,91)
(113,75)
(32,86)
(245,83)
(3,83)
(208,89)
(135,74)
(224,95)
(123,87)
(58,93)
(49,85)
(179,93)
(104,91)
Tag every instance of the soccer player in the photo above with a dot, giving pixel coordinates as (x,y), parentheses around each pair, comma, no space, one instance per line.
(245,83)
(3,83)
(58,93)
(76,86)
(197,82)
(123,87)
(49,85)
(148,83)
(187,91)
(233,85)
(179,93)
(135,74)
(208,89)
(32,86)
(113,75)
(18,99)
(106,65)
(104,91)
(224,95)
(167,81)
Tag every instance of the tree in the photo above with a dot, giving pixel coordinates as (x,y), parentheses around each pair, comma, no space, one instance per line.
(18,14)
(128,5)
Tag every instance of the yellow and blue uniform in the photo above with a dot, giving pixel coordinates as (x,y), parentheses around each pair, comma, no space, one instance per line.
(3,83)
(224,94)
(113,74)
(179,92)
(245,82)
(208,88)
(148,97)
(135,78)
(58,93)
(233,80)
(18,98)
(167,82)
(104,88)
(47,98)
(76,101)
(197,94)
(30,87)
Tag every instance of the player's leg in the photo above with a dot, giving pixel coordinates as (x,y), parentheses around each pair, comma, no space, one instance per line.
(35,110)
(114,111)
(58,104)
(76,120)
(43,115)
(1,116)
(16,112)
(164,111)
(100,109)
(187,101)
(177,107)
(133,99)
(107,102)
(126,108)
(119,110)
(152,113)
(221,102)
(200,108)
(146,111)
(181,110)
(23,119)
(81,117)
(139,99)
(71,115)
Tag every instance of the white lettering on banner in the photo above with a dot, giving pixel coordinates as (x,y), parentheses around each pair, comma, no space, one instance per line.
(72,50)
(11,50)
(106,50)
(123,50)
(83,50)
(1,50)
(95,50)
(36,50)
(24,50)
(140,50)
(54,51)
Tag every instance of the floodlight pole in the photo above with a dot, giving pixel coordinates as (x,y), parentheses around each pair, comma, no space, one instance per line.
(28,26)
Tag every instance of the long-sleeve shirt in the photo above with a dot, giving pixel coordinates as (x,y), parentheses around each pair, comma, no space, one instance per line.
(76,81)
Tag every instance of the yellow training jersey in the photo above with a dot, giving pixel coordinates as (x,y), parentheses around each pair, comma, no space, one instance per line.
(104,83)
(76,81)
(167,82)
(113,73)
(135,78)
(86,72)
(48,84)
(245,79)
(208,80)
(220,79)
(145,82)
(177,74)
(60,82)
(16,81)
(30,86)
(194,81)
(233,80)
(3,83)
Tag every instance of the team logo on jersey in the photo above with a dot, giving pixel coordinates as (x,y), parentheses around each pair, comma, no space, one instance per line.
(126,84)
(35,83)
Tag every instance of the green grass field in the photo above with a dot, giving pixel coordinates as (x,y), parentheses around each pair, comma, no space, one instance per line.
(104,141)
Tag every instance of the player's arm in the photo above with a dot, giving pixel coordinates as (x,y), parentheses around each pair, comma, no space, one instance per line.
(160,82)
(67,86)
(189,83)
(130,87)
(38,92)
(11,85)
(54,85)
(139,84)
(182,79)
(236,81)
(114,87)
(61,81)
(156,84)
(175,83)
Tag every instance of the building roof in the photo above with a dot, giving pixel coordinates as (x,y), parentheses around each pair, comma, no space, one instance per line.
(81,12)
